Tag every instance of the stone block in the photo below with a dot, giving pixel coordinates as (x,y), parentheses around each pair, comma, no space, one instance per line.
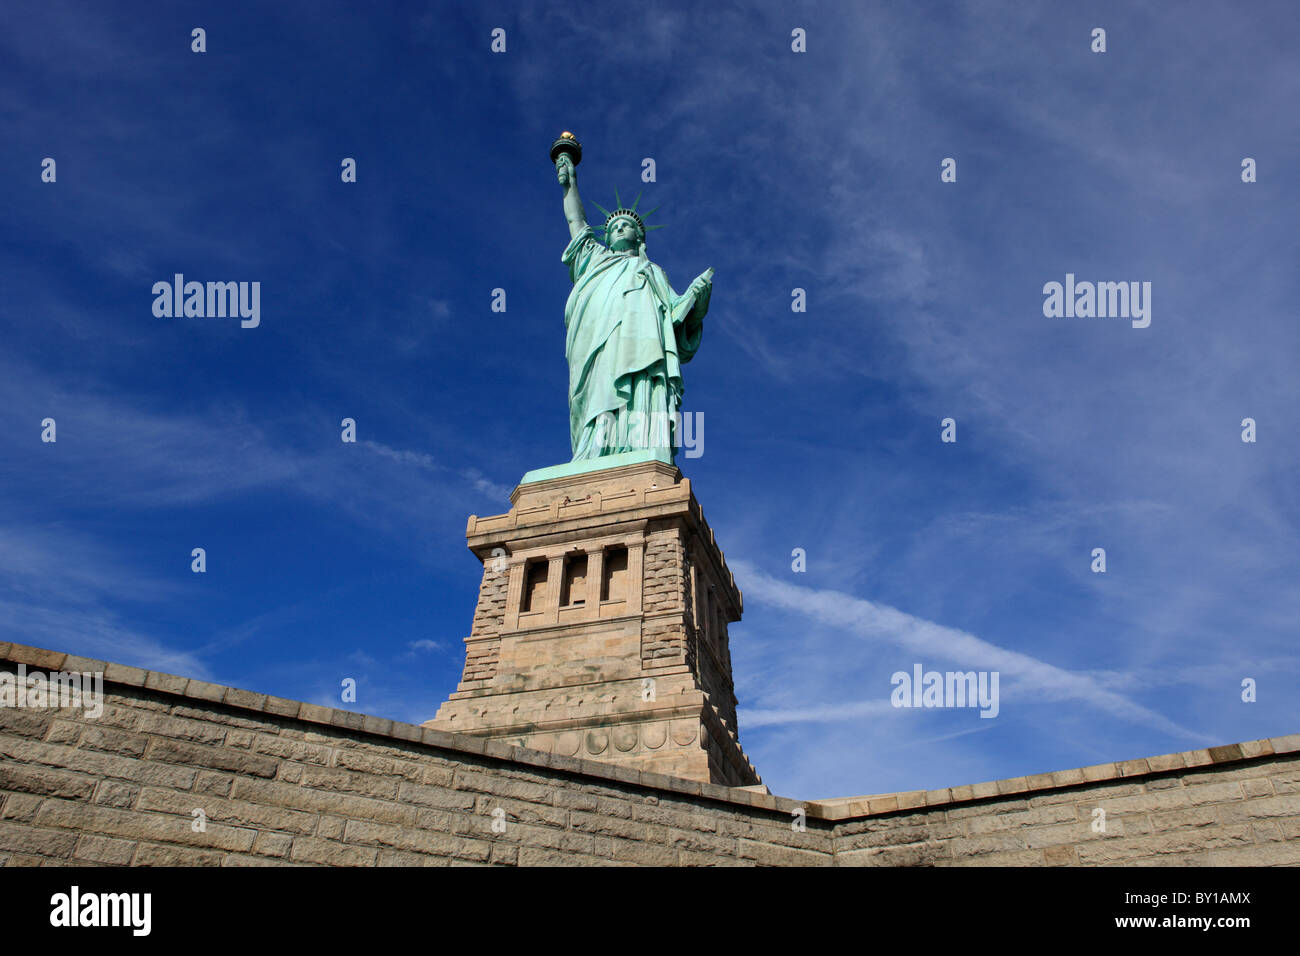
(440,798)
(543,856)
(152,854)
(36,840)
(331,853)
(281,707)
(205,691)
(165,683)
(272,844)
(20,807)
(180,728)
(986,809)
(213,758)
(20,778)
(213,783)
(331,827)
(491,783)
(1287,744)
(1031,817)
(113,793)
(915,854)
(697,841)
(1165,762)
(25,723)
(37,658)
(246,699)
(97,849)
(1193,817)
(64,732)
(113,741)
(346,781)
(770,854)
(1060,856)
(987,843)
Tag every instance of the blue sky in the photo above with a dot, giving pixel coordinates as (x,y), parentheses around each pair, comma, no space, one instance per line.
(780,170)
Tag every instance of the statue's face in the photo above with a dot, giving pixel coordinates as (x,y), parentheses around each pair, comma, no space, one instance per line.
(623,235)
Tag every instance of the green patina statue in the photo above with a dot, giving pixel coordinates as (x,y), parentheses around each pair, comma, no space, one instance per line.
(627,330)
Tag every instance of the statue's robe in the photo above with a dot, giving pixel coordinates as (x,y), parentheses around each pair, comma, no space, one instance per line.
(627,334)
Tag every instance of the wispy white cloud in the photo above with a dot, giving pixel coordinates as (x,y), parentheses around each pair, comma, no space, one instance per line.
(66,590)
(930,642)
(473,476)
(97,633)
(753,717)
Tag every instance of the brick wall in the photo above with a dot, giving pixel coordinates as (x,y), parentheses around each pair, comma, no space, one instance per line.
(490,613)
(1230,806)
(664,569)
(285,783)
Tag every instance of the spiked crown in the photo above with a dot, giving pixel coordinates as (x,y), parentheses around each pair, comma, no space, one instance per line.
(628,212)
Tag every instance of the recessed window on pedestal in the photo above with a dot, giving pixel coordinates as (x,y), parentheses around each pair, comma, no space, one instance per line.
(613,586)
(574,593)
(535,586)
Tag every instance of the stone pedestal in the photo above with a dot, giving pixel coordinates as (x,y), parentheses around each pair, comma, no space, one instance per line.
(601,627)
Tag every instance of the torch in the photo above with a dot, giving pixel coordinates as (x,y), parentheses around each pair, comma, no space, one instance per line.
(568,145)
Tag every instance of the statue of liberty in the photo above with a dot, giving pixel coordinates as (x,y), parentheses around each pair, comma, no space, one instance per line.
(627,330)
